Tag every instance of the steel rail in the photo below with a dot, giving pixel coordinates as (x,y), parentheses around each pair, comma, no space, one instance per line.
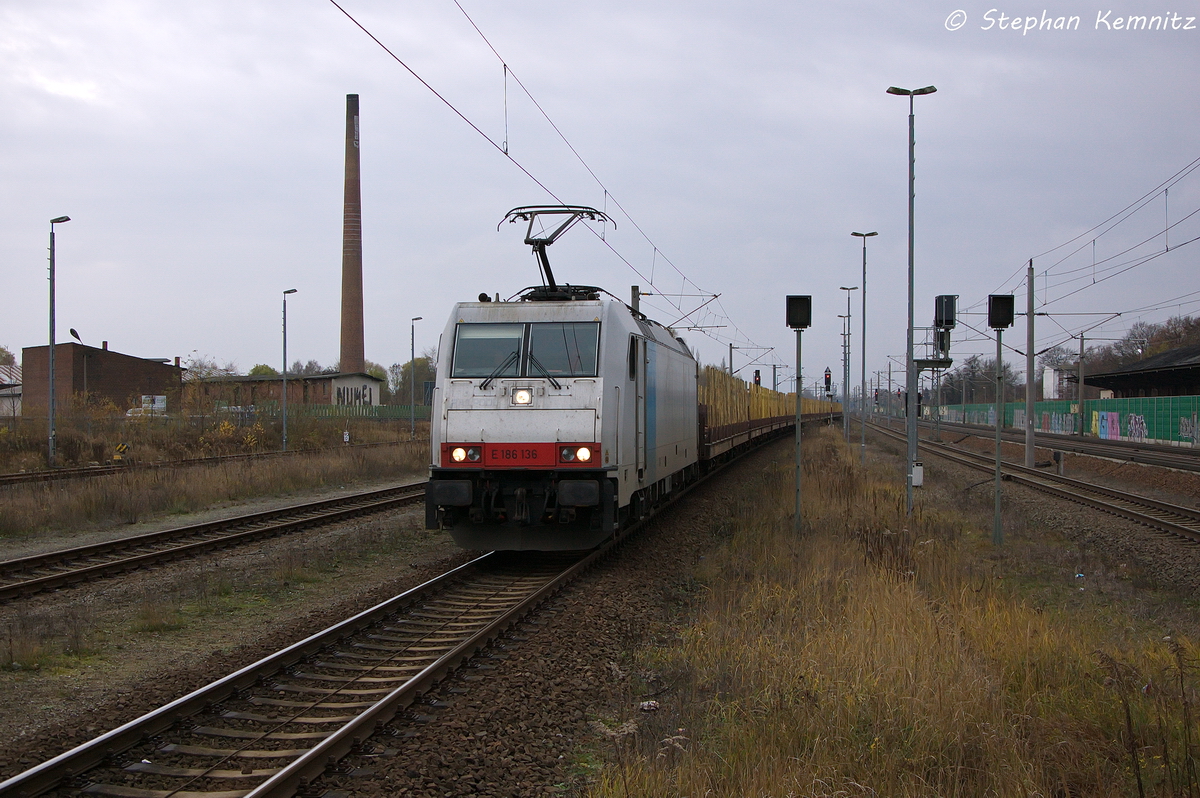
(166,545)
(1181,521)
(89,755)
(310,764)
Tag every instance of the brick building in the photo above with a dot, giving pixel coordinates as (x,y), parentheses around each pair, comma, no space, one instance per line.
(100,374)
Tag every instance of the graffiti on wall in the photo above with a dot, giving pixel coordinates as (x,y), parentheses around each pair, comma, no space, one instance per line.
(1188,428)
(1137,427)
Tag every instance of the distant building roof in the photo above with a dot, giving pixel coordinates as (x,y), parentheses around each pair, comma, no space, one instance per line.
(278,377)
(9,376)
(1185,357)
(1175,372)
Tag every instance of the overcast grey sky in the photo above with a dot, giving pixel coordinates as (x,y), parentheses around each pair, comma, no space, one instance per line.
(198,149)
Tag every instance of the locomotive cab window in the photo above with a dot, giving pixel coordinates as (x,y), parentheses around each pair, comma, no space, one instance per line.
(538,349)
(487,350)
(563,349)
(633,357)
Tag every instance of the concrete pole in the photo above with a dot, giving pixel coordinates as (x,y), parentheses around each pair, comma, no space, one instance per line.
(412,377)
(910,378)
(997,526)
(846,368)
(1080,388)
(862,356)
(1030,385)
(796,526)
(50,443)
(889,396)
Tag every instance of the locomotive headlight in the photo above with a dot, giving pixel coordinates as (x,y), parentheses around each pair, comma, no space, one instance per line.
(473,454)
(584,454)
(522,396)
(458,454)
(566,454)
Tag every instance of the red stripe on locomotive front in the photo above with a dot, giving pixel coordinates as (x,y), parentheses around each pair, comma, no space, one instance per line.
(521,455)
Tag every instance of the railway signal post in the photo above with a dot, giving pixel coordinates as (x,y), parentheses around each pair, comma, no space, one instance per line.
(1001,311)
(799,317)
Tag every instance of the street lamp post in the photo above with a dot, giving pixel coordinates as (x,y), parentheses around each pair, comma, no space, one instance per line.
(910,381)
(846,367)
(50,414)
(412,376)
(862,345)
(285,296)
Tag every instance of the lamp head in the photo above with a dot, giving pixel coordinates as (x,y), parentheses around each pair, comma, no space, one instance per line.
(289,291)
(864,235)
(417,318)
(60,220)
(848,288)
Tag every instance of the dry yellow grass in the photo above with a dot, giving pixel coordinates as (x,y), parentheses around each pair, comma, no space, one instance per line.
(136,495)
(875,657)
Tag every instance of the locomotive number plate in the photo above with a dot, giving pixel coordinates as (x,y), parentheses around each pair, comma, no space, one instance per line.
(519,455)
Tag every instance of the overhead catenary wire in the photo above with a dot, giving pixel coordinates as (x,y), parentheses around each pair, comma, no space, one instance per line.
(656,252)
(504,149)
(1090,235)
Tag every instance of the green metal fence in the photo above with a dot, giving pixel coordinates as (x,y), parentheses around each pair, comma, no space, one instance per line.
(1158,419)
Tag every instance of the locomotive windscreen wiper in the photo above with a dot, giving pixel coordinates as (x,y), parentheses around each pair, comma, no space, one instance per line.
(545,373)
(496,371)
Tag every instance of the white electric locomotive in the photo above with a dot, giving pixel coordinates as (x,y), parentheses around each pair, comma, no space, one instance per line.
(558,415)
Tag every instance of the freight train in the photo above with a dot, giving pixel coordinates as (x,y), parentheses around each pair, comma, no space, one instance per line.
(564,413)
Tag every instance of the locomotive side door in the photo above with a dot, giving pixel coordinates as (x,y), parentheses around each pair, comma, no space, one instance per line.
(637,370)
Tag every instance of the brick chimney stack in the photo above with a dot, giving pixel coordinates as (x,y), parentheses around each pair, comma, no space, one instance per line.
(352,347)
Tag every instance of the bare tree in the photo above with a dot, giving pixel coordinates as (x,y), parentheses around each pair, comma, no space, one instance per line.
(201,367)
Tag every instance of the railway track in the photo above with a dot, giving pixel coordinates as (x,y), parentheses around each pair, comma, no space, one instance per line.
(1183,522)
(53,570)
(87,472)
(270,729)
(275,725)
(1155,454)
